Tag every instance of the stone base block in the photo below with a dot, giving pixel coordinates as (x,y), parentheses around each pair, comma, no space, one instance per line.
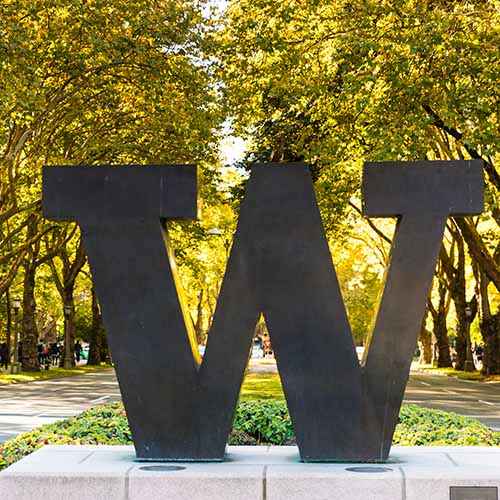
(252,473)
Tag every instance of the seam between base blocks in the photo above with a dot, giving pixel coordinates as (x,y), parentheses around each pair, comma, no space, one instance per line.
(127,479)
(403,486)
(264,483)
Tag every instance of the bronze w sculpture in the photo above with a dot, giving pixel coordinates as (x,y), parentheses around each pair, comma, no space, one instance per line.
(280,265)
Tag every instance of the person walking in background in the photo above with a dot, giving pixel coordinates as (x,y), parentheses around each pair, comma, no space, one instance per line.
(4,356)
(54,354)
(40,353)
(78,351)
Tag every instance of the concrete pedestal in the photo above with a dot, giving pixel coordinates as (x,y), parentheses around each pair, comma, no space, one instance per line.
(253,473)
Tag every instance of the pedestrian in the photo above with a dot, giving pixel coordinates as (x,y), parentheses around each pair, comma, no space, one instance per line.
(479,352)
(4,355)
(46,356)
(78,351)
(39,348)
(54,354)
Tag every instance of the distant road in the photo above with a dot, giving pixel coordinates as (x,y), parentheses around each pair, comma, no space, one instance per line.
(479,400)
(26,406)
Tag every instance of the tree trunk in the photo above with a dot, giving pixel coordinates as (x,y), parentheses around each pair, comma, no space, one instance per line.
(441,335)
(440,328)
(9,323)
(490,328)
(68,358)
(460,348)
(457,287)
(29,330)
(457,290)
(462,326)
(105,352)
(96,335)
(211,308)
(425,344)
(479,251)
(198,326)
(66,287)
(101,353)
(491,357)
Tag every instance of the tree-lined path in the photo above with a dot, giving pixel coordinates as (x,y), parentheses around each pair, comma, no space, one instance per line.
(26,406)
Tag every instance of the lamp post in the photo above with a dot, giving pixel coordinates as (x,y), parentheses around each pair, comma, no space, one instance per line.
(469,362)
(217,232)
(68,362)
(16,304)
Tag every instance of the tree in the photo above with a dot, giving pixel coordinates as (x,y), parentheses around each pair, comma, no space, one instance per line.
(34,258)
(425,342)
(65,283)
(360,263)
(455,275)
(128,83)
(339,83)
(97,344)
(201,250)
(439,316)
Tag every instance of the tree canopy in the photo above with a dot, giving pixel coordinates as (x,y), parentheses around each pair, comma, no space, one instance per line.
(339,83)
(330,83)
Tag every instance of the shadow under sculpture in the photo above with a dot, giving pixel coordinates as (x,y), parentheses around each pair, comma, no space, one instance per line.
(280,265)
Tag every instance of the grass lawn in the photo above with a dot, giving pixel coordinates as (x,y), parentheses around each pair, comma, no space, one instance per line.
(475,375)
(10,378)
(263,386)
(451,372)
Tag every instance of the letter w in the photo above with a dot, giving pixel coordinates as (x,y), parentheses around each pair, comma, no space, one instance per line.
(280,265)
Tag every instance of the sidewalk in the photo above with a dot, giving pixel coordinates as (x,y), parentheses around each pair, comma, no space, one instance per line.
(261,366)
(26,406)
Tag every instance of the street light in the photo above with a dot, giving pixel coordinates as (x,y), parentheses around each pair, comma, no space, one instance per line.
(217,232)
(16,304)
(469,362)
(68,362)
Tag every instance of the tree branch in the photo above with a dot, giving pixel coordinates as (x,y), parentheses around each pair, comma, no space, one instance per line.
(493,175)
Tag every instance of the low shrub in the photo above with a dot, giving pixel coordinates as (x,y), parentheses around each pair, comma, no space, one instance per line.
(419,426)
(102,425)
(267,421)
(242,438)
(255,422)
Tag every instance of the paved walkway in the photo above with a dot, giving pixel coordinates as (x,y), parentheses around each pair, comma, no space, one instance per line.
(26,406)
(479,400)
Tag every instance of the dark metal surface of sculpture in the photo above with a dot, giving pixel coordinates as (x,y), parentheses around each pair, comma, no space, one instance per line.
(280,265)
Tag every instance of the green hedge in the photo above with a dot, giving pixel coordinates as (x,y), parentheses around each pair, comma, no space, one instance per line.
(255,422)
(423,427)
(265,421)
